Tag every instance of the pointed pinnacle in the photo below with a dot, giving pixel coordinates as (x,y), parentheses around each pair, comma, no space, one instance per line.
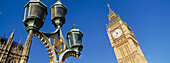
(13,30)
(12,34)
(108,5)
(20,41)
(110,10)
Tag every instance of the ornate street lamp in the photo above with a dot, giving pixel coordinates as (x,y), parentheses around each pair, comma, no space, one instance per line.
(35,13)
(75,38)
(59,49)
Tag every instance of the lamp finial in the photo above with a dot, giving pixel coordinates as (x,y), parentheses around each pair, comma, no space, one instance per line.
(59,0)
(74,26)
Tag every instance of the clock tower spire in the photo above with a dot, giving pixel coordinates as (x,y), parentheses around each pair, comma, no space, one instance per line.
(123,41)
(112,14)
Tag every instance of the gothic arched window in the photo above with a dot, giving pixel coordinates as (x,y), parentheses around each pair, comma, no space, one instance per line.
(12,61)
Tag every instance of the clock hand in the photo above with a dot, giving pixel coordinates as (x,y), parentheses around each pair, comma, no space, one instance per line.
(116,32)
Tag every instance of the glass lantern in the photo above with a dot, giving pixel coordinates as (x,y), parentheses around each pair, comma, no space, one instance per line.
(58,13)
(35,14)
(74,38)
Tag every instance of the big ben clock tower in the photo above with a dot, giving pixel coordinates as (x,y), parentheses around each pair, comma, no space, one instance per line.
(123,41)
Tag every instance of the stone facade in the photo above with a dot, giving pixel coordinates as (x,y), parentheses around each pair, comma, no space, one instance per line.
(11,51)
(124,43)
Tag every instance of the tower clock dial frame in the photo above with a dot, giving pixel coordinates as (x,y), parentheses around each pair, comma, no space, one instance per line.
(116,33)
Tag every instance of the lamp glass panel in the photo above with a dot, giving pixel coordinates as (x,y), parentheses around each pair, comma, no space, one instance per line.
(38,11)
(26,12)
(60,12)
(71,42)
(52,12)
(78,38)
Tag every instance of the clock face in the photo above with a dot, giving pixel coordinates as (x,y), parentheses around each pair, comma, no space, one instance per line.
(117,33)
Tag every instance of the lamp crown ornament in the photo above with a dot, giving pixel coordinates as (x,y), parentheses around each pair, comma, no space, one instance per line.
(74,26)
(59,0)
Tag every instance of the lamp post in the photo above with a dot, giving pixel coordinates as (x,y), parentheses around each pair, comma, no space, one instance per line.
(59,49)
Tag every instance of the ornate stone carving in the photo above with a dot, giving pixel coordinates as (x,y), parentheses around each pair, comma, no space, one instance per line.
(10,51)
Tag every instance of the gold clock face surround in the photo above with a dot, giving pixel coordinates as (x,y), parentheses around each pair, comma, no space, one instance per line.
(117,33)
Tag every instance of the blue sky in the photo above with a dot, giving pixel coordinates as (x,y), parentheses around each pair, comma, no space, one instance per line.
(149,20)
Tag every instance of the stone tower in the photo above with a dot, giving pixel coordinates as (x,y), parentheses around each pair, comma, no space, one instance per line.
(123,41)
(26,50)
(7,47)
(12,51)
